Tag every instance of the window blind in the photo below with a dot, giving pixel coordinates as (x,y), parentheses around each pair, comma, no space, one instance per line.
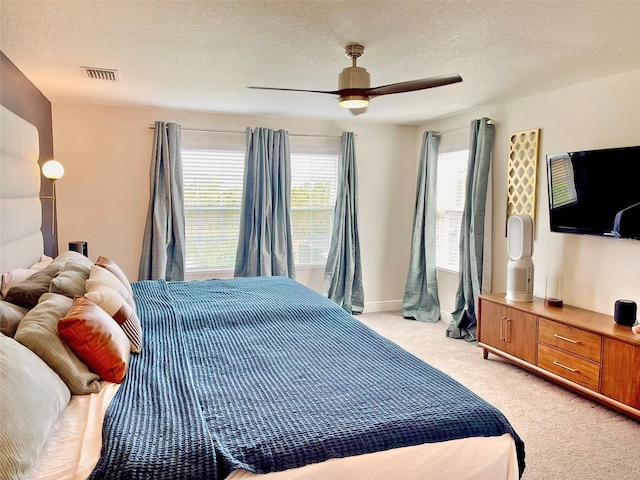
(450,186)
(212,181)
(314,179)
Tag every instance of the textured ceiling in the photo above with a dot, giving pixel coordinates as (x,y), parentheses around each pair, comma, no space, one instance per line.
(201,55)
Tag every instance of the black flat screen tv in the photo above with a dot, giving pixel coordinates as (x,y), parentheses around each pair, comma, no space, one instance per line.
(595,192)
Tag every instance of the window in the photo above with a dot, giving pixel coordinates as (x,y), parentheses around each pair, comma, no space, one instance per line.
(314,181)
(213,182)
(452,172)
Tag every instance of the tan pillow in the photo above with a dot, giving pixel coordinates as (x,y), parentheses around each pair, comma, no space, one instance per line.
(100,276)
(32,397)
(10,316)
(96,338)
(110,265)
(113,303)
(70,281)
(71,256)
(38,331)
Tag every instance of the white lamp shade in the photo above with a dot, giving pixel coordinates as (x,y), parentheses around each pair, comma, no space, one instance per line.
(53,170)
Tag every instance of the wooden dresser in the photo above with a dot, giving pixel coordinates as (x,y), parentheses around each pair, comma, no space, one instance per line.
(582,350)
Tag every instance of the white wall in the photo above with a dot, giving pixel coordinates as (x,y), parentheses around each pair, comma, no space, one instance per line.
(599,114)
(103,197)
(106,151)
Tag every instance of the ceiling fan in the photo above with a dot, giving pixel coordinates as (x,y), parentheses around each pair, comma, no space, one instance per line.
(354,89)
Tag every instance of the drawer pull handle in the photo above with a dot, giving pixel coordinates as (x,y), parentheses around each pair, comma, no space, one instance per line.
(565,367)
(565,338)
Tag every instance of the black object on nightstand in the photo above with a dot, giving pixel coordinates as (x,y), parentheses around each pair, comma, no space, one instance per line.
(80,247)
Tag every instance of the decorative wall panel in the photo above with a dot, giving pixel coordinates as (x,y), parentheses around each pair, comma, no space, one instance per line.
(522,173)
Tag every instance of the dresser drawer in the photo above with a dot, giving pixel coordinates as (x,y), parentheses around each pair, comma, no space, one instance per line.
(570,339)
(569,366)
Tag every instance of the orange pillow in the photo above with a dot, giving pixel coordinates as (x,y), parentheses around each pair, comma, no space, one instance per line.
(96,339)
(118,309)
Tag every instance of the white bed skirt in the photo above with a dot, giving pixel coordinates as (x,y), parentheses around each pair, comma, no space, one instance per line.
(478,458)
(73,448)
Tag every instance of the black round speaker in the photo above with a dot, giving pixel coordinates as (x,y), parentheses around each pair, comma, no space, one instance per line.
(625,312)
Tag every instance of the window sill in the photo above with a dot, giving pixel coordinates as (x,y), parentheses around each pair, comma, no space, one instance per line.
(208,274)
(446,270)
(310,266)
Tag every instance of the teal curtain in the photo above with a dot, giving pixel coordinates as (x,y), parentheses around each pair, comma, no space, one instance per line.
(343,273)
(265,246)
(163,247)
(464,322)
(420,299)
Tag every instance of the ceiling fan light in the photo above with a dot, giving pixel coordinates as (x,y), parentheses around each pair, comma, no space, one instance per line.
(354,101)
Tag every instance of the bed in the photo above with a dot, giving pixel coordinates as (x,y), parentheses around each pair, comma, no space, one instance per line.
(243,379)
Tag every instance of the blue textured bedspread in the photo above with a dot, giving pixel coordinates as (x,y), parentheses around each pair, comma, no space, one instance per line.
(265,375)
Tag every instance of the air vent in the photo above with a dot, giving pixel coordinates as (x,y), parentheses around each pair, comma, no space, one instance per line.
(105,74)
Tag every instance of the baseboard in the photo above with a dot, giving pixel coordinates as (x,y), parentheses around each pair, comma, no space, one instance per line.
(385,306)
(445,316)
(396,305)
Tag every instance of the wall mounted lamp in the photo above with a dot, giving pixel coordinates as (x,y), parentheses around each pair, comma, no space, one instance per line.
(52,170)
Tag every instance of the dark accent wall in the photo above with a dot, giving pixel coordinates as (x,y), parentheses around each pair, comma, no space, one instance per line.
(19,95)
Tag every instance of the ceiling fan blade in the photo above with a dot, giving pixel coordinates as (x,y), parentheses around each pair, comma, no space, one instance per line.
(358,111)
(414,85)
(333,92)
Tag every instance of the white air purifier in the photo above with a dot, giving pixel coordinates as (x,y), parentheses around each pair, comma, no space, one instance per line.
(520,266)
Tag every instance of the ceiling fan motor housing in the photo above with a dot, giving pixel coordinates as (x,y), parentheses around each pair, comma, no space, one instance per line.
(354,77)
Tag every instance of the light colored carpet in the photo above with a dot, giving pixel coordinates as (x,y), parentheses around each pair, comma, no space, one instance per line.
(566,436)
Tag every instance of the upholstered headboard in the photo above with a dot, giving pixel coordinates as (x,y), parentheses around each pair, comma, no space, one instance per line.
(21,242)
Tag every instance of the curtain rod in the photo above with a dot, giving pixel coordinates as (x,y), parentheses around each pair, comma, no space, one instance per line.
(459,129)
(152,126)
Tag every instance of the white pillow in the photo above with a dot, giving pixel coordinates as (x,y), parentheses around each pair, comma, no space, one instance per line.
(15,277)
(19,275)
(43,263)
